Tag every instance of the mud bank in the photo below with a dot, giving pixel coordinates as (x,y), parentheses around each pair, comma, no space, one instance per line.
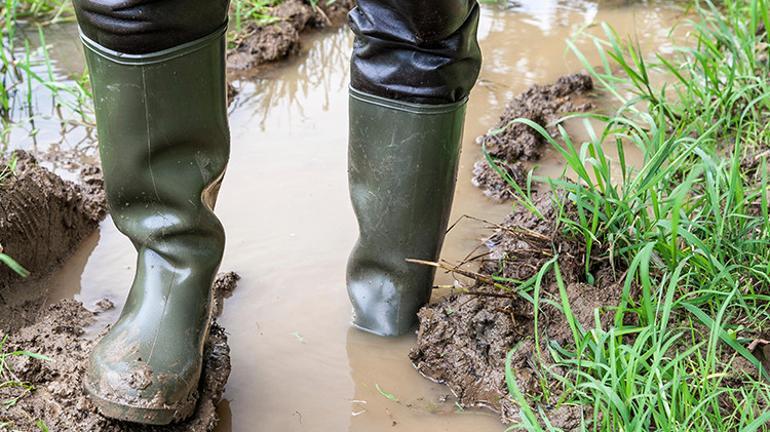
(52,390)
(512,145)
(463,339)
(258,44)
(43,219)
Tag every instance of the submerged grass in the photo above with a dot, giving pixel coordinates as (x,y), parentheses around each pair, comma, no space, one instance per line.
(690,229)
(29,87)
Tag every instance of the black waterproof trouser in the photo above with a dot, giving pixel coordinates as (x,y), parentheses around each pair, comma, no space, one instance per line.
(421,51)
(147,26)
(418,51)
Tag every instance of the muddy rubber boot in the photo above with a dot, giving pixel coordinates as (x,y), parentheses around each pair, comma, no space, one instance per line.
(403,161)
(164,144)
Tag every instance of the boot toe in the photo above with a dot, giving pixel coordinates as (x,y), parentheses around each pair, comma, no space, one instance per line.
(125,386)
(382,308)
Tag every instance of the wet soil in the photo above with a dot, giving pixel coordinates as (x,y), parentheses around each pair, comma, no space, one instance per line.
(511,145)
(464,338)
(42,217)
(43,220)
(259,44)
(52,389)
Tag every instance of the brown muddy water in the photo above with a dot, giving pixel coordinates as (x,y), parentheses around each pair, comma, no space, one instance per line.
(297,366)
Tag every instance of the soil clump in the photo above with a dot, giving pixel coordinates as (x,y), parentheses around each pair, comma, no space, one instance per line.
(51,391)
(511,145)
(258,44)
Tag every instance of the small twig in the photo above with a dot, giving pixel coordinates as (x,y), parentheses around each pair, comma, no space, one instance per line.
(467,259)
(530,252)
(469,274)
(465,216)
(514,229)
(323,14)
(489,294)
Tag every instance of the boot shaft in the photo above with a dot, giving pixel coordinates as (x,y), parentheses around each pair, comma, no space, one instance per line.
(403,160)
(164,143)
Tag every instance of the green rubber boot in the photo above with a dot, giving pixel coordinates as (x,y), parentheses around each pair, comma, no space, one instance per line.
(164,144)
(403,161)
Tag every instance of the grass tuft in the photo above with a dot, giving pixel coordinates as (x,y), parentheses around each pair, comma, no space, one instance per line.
(690,228)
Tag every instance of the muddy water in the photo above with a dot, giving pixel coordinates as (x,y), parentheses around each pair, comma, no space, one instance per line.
(296,364)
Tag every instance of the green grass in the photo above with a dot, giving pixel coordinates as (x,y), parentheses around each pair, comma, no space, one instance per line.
(691,227)
(7,169)
(30,88)
(13,265)
(42,11)
(245,11)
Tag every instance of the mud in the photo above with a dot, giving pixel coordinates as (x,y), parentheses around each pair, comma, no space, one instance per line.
(511,145)
(224,287)
(42,217)
(52,390)
(464,338)
(259,44)
(43,220)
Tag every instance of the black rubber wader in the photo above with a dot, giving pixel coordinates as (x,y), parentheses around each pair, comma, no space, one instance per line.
(164,145)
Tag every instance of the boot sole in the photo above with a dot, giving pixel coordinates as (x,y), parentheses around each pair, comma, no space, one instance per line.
(380,333)
(143,415)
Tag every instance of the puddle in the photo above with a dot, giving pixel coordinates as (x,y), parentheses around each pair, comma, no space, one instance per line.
(296,364)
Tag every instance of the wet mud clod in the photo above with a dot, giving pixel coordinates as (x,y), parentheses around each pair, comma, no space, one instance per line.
(259,44)
(43,220)
(512,144)
(463,339)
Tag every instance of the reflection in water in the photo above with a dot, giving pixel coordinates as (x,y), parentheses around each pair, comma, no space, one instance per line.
(297,366)
(549,15)
(320,72)
(50,110)
(390,393)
